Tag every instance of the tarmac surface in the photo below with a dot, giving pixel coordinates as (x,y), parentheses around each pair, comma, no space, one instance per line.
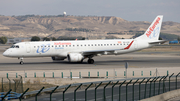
(162,57)
(135,60)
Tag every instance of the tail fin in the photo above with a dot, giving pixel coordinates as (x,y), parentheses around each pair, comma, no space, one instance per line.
(153,32)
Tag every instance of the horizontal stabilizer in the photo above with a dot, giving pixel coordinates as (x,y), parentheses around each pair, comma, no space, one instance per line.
(157,42)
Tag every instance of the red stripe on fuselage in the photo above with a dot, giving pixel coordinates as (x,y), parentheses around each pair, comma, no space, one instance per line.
(129,45)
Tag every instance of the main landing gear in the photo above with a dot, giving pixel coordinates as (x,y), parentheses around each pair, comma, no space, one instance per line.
(21,62)
(90,61)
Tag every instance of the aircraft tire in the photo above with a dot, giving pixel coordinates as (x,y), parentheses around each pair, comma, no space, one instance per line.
(90,61)
(21,62)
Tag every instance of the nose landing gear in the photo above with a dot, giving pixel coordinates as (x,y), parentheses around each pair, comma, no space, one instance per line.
(21,62)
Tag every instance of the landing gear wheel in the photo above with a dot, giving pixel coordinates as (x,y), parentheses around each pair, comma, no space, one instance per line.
(21,62)
(90,61)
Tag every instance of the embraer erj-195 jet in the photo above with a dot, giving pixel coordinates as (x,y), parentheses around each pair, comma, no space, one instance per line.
(78,50)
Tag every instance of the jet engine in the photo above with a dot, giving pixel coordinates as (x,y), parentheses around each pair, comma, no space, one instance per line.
(75,57)
(57,58)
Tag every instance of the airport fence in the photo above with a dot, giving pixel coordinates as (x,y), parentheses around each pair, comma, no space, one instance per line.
(16,84)
(86,74)
(14,87)
(129,89)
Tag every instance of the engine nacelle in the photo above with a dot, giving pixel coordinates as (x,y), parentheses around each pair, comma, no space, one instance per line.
(75,57)
(57,58)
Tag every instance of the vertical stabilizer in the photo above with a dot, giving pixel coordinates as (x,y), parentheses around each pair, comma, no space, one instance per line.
(153,32)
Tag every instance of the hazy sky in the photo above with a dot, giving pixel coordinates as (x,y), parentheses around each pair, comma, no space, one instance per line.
(131,10)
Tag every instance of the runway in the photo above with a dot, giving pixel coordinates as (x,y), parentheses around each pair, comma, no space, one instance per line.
(136,60)
(145,60)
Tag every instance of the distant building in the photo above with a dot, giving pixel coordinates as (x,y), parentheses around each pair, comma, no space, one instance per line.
(16,40)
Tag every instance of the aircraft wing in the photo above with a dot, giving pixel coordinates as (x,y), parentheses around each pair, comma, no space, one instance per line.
(95,52)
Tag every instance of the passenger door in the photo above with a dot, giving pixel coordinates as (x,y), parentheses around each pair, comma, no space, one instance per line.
(28,47)
(135,44)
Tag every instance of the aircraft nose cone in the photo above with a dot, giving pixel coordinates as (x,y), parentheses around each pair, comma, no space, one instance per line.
(5,53)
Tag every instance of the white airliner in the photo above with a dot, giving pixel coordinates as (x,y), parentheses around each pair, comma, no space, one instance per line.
(77,51)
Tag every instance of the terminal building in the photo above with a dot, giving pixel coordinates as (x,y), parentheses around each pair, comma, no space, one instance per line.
(16,40)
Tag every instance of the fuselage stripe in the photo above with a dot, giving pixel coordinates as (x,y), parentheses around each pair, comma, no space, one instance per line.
(129,45)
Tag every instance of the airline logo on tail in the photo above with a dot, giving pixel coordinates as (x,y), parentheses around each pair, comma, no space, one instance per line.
(151,29)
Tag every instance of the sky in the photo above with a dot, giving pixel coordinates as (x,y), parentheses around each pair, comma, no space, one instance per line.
(131,10)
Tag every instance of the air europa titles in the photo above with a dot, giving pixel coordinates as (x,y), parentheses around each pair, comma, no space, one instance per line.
(119,42)
(62,43)
(153,27)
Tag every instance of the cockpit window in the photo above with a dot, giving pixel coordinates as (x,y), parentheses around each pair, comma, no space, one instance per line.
(14,46)
(17,46)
